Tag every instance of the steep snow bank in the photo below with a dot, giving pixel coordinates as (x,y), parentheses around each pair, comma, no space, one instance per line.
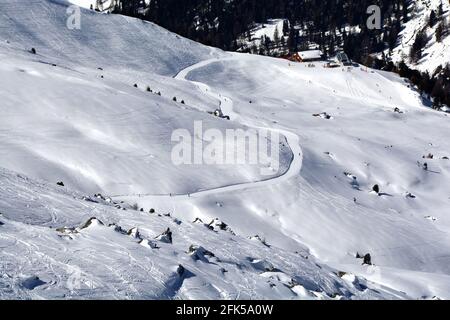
(104,40)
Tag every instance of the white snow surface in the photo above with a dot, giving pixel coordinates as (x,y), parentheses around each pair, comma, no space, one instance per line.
(71,113)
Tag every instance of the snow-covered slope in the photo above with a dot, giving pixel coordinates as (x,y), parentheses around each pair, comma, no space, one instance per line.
(71,113)
(65,253)
(435,53)
(117,42)
(78,95)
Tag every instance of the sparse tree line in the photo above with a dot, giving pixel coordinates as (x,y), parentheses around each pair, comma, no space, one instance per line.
(331,24)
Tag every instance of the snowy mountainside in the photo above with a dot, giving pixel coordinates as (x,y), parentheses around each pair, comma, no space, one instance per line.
(67,254)
(112,41)
(129,127)
(71,113)
(435,53)
(365,142)
(100,104)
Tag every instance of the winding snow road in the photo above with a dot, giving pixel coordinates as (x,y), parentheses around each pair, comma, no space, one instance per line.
(227,109)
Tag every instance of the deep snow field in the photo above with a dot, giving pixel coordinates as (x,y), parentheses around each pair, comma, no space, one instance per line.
(71,113)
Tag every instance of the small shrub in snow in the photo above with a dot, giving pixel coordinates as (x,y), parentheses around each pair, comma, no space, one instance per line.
(198,221)
(410,195)
(323,115)
(376,188)
(367,259)
(216,223)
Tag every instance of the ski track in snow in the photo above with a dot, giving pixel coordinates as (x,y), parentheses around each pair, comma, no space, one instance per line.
(226,105)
